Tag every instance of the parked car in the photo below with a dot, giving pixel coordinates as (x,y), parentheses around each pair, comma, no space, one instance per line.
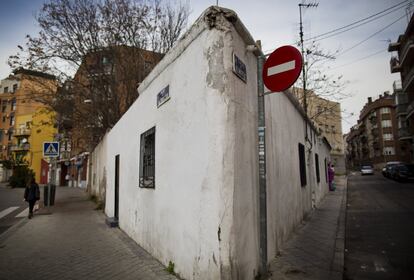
(404,172)
(388,168)
(367,170)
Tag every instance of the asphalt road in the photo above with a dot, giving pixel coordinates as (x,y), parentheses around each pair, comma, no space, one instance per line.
(11,205)
(379,241)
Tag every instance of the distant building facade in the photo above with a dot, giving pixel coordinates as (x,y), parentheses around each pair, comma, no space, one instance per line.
(326,115)
(25,123)
(374,140)
(403,63)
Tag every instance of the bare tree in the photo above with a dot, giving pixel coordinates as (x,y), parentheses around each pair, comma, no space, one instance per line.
(318,81)
(99,50)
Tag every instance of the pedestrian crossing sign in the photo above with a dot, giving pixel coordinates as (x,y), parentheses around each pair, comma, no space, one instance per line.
(51,149)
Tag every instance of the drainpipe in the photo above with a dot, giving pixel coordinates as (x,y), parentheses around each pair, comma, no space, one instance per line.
(262,159)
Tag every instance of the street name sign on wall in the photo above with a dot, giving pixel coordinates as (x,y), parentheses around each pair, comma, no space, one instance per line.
(282,68)
(50,149)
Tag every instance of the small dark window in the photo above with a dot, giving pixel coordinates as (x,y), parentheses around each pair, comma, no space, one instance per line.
(13,104)
(4,119)
(147,159)
(318,176)
(302,164)
(14,87)
(6,89)
(11,120)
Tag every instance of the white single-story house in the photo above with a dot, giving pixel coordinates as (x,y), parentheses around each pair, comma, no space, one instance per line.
(180,169)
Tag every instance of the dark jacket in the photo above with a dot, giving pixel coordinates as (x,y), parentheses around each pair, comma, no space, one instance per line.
(32,192)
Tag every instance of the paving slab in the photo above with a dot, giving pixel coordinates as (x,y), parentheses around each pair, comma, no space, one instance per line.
(303,258)
(73,243)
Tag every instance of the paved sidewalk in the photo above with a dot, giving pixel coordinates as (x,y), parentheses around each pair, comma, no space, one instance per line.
(316,249)
(73,243)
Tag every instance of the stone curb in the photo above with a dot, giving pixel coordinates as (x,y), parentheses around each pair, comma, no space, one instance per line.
(337,265)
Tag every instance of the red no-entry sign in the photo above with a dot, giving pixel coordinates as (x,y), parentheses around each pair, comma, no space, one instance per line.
(282,68)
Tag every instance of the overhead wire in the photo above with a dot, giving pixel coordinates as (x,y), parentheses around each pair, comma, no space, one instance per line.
(369,37)
(360,59)
(359,23)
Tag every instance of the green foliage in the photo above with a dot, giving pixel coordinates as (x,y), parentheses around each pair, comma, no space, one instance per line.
(21,176)
(170,268)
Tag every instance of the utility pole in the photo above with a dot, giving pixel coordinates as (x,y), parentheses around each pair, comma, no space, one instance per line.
(309,5)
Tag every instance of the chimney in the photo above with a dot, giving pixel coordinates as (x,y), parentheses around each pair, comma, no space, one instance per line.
(369,99)
(386,93)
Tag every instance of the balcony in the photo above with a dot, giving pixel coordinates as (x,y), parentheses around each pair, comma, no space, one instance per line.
(20,148)
(401,109)
(410,109)
(395,65)
(393,46)
(22,132)
(403,134)
(407,51)
(397,86)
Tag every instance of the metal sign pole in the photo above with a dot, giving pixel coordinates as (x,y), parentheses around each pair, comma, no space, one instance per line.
(262,167)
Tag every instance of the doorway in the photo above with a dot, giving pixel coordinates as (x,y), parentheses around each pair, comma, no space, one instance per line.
(116,205)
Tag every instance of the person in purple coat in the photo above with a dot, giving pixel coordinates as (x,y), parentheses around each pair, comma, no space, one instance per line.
(331,175)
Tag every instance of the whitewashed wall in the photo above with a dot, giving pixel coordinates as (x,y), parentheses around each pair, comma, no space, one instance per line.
(203,213)
(187,218)
(97,170)
(288,202)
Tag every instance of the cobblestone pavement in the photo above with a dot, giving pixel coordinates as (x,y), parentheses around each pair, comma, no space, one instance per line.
(73,243)
(316,249)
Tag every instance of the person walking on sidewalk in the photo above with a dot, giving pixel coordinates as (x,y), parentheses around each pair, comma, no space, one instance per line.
(31,195)
(331,175)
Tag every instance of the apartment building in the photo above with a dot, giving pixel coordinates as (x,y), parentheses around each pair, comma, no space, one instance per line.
(326,116)
(24,122)
(402,62)
(104,87)
(374,139)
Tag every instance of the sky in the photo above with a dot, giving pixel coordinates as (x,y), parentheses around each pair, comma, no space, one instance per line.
(276,23)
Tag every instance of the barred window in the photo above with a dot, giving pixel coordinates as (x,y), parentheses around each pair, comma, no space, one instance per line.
(147,159)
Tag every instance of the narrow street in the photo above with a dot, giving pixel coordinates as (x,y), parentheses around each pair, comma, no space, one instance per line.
(379,228)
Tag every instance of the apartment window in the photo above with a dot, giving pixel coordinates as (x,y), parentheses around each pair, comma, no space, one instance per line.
(387,136)
(386,123)
(10,134)
(147,159)
(14,87)
(11,120)
(385,110)
(105,60)
(13,104)
(4,119)
(6,89)
(333,129)
(318,176)
(389,151)
(302,164)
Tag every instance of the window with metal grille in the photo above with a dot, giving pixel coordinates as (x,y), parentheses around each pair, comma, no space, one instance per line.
(318,176)
(147,159)
(302,164)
